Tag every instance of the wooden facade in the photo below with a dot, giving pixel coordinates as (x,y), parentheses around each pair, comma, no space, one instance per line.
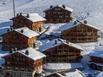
(96,63)
(14,39)
(62,54)
(20,64)
(81,33)
(58,14)
(20,61)
(24,21)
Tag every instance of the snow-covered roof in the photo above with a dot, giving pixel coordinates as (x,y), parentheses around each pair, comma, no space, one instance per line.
(100,74)
(62,66)
(27,32)
(96,21)
(73,24)
(75,73)
(61,6)
(51,29)
(34,17)
(32,53)
(72,73)
(56,42)
(98,51)
(66,8)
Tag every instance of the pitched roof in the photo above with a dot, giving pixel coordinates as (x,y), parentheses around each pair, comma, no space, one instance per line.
(72,73)
(66,8)
(74,24)
(75,73)
(32,53)
(63,7)
(26,32)
(34,17)
(56,42)
(62,66)
(98,51)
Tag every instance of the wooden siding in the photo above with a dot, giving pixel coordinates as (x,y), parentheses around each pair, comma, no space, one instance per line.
(18,60)
(62,54)
(21,21)
(14,39)
(80,34)
(58,15)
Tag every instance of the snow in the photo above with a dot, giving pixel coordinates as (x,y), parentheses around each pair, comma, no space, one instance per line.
(72,73)
(98,51)
(76,73)
(27,32)
(66,8)
(53,28)
(57,42)
(61,6)
(2,53)
(100,75)
(32,53)
(34,17)
(62,66)
(87,47)
(4,26)
(73,24)
(96,54)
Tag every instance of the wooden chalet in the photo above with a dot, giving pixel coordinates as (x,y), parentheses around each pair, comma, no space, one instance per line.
(79,32)
(96,57)
(26,62)
(19,38)
(58,51)
(58,14)
(33,21)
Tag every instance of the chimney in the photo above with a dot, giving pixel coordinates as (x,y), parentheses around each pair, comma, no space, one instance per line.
(20,14)
(12,49)
(26,52)
(51,6)
(15,49)
(27,16)
(75,22)
(55,42)
(85,21)
(17,14)
(8,30)
(22,31)
(11,28)
(63,6)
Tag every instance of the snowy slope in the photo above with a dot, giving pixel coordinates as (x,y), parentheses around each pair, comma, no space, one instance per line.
(81,7)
